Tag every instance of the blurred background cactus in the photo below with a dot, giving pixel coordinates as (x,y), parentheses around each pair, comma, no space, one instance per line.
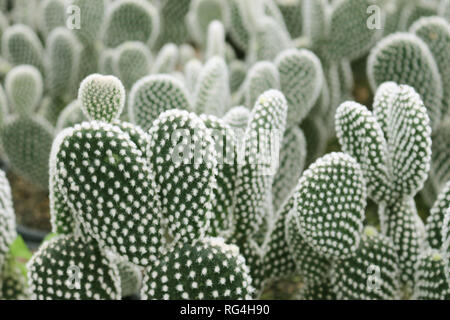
(322,127)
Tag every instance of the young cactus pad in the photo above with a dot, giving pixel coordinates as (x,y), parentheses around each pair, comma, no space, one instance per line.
(102,97)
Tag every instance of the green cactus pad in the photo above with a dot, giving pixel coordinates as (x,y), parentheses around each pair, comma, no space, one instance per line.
(362,137)
(261,77)
(224,140)
(259,162)
(107,182)
(292,162)
(350,36)
(27,143)
(70,116)
(310,265)
(331,200)
(435,32)
(278,261)
(24,87)
(405,123)
(402,224)
(167,58)
(371,274)
(21,45)
(315,291)
(52,15)
(182,156)
(404,58)
(153,95)
(130,20)
(173,22)
(430,280)
(13,284)
(63,61)
(207,269)
(435,221)
(102,97)
(301,81)
(212,93)
(7,218)
(132,61)
(91,18)
(80,270)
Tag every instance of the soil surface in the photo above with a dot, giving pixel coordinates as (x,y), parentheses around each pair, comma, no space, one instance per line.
(31,204)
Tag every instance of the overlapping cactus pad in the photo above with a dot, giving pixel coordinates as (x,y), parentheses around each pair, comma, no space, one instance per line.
(225,149)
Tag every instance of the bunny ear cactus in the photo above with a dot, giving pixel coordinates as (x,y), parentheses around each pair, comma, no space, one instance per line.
(24,87)
(27,143)
(435,221)
(396,133)
(415,10)
(371,274)
(292,162)
(212,92)
(301,81)
(315,291)
(215,40)
(173,22)
(406,59)
(131,62)
(192,71)
(70,116)
(52,15)
(62,62)
(237,118)
(263,137)
(393,146)
(7,219)
(440,164)
(130,20)
(317,217)
(207,269)
(91,19)
(102,97)
(238,73)
(261,77)
(435,32)
(312,267)
(114,178)
(350,36)
(317,223)
(182,157)
(224,140)
(267,40)
(431,282)
(167,58)
(402,224)
(292,16)
(21,45)
(153,95)
(238,30)
(315,19)
(80,270)
(14,284)
(27,139)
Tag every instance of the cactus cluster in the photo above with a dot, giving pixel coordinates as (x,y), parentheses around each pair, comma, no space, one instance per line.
(208,149)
